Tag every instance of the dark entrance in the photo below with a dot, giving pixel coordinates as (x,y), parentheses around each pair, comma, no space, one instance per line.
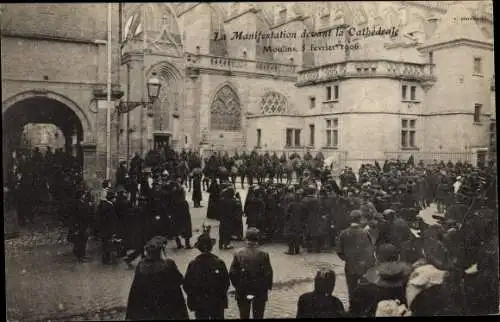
(161,141)
(38,110)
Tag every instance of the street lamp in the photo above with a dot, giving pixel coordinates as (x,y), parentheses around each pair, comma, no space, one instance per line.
(153,87)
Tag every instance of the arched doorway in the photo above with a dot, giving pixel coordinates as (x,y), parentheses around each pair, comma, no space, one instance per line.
(41,108)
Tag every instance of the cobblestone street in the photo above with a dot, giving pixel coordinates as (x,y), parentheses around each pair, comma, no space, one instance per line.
(46,282)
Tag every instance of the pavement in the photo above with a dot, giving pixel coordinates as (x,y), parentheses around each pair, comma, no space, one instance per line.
(47,283)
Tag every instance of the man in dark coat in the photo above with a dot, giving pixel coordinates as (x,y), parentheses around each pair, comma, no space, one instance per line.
(181,217)
(294,224)
(320,303)
(255,209)
(156,292)
(107,223)
(384,281)
(82,214)
(227,209)
(196,197)
(213,199)
(357,250)
(206,282)
(122,174)
(237,226)
(252,276)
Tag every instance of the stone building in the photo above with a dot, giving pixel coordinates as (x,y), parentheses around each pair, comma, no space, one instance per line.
(423,88)
(54,70)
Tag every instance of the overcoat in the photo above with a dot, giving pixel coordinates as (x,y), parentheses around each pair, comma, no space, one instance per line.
(156,292)
(206,283)
(213,199)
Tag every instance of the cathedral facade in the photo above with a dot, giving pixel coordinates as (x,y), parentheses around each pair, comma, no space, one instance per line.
(357,81)
(362,81)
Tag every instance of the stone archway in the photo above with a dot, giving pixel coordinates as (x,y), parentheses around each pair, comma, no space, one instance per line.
(47,108)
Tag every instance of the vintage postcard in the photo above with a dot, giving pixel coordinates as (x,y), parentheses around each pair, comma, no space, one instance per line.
(212,160)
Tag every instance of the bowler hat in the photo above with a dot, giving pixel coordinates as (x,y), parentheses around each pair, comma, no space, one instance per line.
(204,242)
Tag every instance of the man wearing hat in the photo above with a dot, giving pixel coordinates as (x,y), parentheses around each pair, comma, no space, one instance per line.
(206,282)
(252,276)
(357,250)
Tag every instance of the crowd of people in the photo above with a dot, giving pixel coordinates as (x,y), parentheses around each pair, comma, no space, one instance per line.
(395,263)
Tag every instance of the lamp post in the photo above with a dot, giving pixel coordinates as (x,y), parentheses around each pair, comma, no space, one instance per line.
(153,87)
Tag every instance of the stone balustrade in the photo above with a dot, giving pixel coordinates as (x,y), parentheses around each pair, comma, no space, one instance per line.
(239,65)
(366,69)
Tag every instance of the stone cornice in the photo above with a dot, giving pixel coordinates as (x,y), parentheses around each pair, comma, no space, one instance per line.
(249,10)
(253,116)
(194,71)
(369,68)
(457,42)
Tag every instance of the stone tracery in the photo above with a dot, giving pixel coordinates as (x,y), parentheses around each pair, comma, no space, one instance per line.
(273,103)
(225,111)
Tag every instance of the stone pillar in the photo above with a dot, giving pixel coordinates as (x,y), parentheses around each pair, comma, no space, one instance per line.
(135,92)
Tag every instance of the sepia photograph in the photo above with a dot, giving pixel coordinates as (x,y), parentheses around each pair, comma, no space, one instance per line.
(237,160)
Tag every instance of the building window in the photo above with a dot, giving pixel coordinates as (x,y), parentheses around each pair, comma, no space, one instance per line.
(477,113)
(478,68)
(289,137)
(259,137)
(403,92)
(332,93)
(328,93)
(408,133)
(312,102)
(413,93)
(311,134)
(297,137)
(225,111)
(332,133)
(293,137)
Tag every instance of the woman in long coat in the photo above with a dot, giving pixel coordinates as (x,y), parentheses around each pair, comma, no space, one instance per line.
(182,226)
(213,200)
(156,292)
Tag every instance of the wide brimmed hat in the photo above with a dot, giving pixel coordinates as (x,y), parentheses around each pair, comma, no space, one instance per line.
(120,188)
(204,242)
(389,274)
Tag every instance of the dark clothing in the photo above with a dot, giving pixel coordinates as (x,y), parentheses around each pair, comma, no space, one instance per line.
(399,232)
(228,210)
(257,305)
(182,219)
(437,300)
(317,305)
(255,212)
(251,273)
(82,216)
(196,197)
(356,249)
(156,292)
(368,294)
(107,219)
(213,200)
(206,284)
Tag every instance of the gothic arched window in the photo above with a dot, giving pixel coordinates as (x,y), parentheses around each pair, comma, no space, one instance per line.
(225,112)
(273,103)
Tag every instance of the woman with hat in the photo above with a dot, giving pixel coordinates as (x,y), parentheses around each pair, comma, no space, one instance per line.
(156,292)
(320,303)
(206,282)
